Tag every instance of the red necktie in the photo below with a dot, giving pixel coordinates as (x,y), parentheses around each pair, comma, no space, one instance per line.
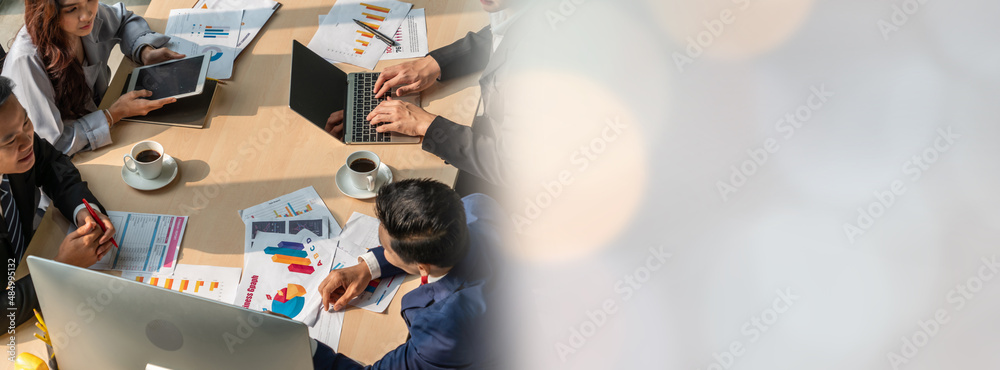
(423,279)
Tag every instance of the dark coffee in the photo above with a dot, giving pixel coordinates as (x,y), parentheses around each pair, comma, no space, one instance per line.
(147,156)
(363,165)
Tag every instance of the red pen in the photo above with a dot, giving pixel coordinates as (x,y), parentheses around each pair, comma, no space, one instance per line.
(99,223)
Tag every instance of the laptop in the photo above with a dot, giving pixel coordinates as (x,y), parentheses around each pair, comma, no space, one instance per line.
(100,321)
(319,88)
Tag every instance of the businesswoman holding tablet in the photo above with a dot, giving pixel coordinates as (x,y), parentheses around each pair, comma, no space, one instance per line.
(59,64)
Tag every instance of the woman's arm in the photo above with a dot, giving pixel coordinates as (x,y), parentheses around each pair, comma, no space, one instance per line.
(132,30)
(34,90)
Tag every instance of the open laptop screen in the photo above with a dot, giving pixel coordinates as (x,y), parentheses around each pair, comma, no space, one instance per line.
(318,88)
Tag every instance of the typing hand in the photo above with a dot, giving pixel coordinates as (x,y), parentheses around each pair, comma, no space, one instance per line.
(343,285)
(402,117)
(81,247)
(150,55)
(411,77)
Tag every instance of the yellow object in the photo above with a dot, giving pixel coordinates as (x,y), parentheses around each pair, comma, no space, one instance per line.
(43,338)
(38,315)
(27,361)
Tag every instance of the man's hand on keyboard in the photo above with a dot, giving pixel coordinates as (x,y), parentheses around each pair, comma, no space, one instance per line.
(402,117)
(409,77)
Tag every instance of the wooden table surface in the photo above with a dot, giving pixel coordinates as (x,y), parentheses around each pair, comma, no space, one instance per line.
(255,148)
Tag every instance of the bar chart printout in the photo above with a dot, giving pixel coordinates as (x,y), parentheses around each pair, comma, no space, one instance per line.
(339,39)
(212,282)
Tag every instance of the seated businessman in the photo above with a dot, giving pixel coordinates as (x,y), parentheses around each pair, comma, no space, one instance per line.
(427,230)
(477,150)
(27,162)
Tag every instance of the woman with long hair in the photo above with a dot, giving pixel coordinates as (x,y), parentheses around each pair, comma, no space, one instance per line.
(59,64)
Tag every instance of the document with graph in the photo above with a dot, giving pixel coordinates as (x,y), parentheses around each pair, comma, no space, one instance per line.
(284,278)
(361,234)
(206,31)
(305,201)
(255,15)
(339,39)
(212,282)
(146,242)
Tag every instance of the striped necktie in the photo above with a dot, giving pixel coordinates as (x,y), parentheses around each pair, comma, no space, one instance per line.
(13,219)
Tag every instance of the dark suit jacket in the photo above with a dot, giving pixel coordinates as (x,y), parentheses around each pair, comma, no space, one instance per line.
(446,319)
(476,149)
(61,181)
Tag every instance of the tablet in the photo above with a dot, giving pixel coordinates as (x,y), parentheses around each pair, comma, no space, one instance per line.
(176,78)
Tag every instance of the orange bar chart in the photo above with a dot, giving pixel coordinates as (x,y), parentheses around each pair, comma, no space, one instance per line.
(375,8)
(184,285)
(169,284)
(198,285)
(215,285)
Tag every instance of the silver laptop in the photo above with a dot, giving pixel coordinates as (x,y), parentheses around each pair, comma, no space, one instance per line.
(319,88)
(100,321)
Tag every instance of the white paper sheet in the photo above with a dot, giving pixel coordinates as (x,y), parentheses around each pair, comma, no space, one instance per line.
(411,37)
(330,323)
(147,242)
(255,15)
(206,31)
(212,282)
(301,202)
(361,234)
(285,276)
(339,39)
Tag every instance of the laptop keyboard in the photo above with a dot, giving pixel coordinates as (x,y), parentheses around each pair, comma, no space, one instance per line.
(364,102)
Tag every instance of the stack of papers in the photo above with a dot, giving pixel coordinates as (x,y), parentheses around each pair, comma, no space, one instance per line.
(340,39)
(221,29)
(361,234)
(255,15)
(289,249)
(147,243)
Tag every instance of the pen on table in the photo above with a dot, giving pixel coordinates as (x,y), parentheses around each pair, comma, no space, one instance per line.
(99,223)
(216,81)
(378,34)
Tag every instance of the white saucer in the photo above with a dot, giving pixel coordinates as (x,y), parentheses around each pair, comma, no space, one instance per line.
(348,188)
(167,175)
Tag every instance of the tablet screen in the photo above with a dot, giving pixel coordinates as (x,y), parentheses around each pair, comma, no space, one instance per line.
(170,79)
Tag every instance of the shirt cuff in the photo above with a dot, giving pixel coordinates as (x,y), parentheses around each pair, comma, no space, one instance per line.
(95,125)
(372,263)
(77,211)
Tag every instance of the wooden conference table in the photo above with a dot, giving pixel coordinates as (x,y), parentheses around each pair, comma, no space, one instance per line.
(255,149)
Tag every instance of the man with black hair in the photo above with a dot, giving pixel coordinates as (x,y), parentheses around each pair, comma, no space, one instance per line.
(28,162)
(426,229)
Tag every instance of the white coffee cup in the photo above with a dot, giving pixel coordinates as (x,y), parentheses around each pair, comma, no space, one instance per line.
(141,161)
(363,169)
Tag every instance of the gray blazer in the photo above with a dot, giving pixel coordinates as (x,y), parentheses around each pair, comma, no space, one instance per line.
(478,149)
(113,25)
